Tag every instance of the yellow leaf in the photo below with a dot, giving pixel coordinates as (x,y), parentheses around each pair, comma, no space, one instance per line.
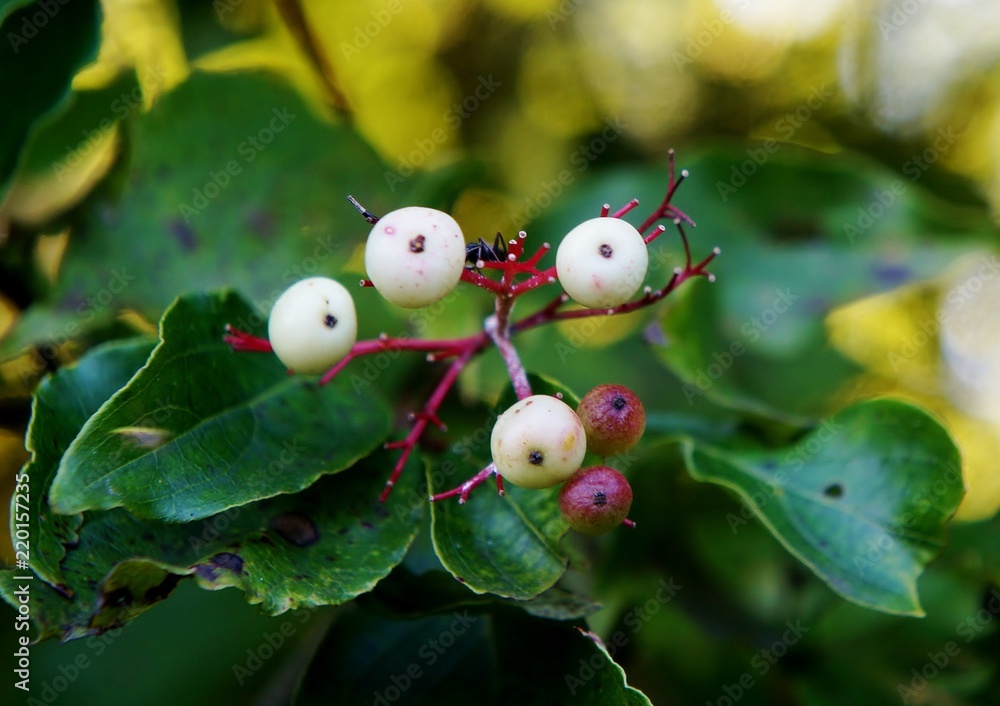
(937,343)
(35,198)
(893,335)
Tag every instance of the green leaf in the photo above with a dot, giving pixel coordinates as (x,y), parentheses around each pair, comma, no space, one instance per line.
(502,657)
(504,545)
(689,343)
(44,45)
(577,668)
(231,182)
(62,404)
(201,429)
(863,500)
(323,546)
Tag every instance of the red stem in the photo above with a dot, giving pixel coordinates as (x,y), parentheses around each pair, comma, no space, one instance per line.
(498,328)
(243,341)
(665,209)
(482,282)
(428,414)
(463,490)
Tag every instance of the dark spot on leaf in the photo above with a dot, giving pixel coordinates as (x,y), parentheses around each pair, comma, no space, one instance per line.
(74,300)
(161,591)
(600,498)
(260,223)
(367,525)
(183,234)
(330,320)
(535,458)
(381,511)
(606,251)
(835,490)
(417,244)
(795,229)
(118,597)
(654,335)
(342,530)
(223,561)
(296,528)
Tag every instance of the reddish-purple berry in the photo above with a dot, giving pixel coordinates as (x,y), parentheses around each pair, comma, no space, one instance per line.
(613,418)
(595,500)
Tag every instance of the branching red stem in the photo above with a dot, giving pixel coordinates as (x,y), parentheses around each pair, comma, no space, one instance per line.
(429,413)
(463,490)
(499,327)
(665,209)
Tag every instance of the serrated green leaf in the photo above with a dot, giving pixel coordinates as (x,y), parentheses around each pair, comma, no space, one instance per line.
(201,429)
(323,546)
(863,500)
(503,657)
(44,45)
(63,403)
(504,545)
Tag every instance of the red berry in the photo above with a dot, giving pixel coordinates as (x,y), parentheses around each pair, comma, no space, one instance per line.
(613,418)
(595,500)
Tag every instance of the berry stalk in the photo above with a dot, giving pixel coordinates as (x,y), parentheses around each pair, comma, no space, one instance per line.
(414,255)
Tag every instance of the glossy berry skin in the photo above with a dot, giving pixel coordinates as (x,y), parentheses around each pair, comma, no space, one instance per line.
(602,262)
(595,500)
(613,418)
(313,325)
(414,256)
(538,442)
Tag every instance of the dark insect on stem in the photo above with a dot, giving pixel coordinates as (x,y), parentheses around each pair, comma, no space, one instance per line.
(481,251)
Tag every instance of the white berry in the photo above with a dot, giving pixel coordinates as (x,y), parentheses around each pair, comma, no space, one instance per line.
(602,262)
(313,325)
(538,442)
(414,256)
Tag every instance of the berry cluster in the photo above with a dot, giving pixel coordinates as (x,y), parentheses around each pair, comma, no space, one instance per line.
(415,256)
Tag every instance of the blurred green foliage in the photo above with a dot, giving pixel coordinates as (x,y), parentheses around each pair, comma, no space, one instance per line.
(213,145)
